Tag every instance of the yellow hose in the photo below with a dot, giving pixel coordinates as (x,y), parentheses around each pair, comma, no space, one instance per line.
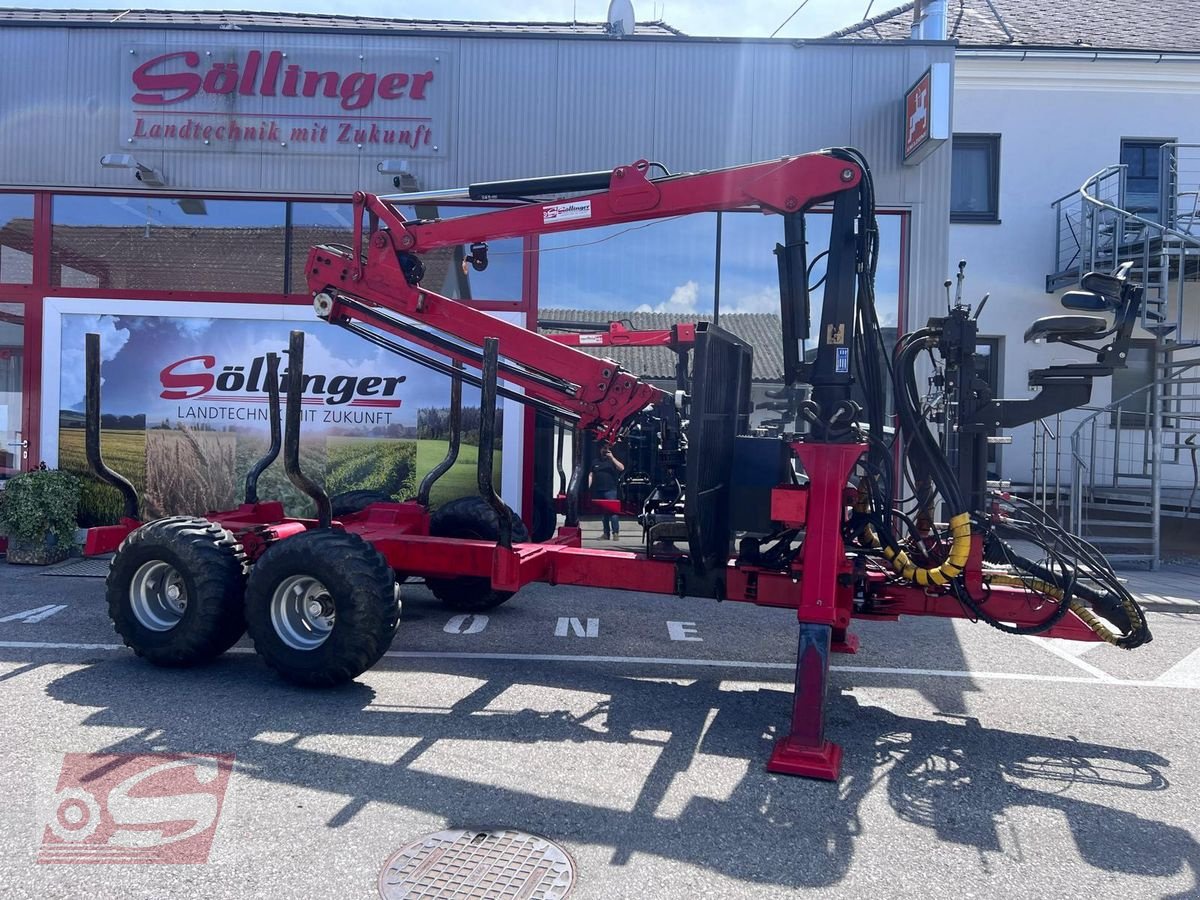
(960,549)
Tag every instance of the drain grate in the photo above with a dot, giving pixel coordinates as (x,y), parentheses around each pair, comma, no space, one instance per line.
(478,865)
(92,567)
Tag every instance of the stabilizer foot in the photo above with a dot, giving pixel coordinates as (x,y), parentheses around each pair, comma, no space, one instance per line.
(792,758)
(844,643)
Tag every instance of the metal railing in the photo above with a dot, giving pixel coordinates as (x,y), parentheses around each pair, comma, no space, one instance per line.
(1047,466)
(1136,447)
(1096,232)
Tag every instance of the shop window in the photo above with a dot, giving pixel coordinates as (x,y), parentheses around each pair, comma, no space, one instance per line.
(748,301)
(750,273)
(662,266)
(149,242)
(975,178)
(333,223)
(16,238)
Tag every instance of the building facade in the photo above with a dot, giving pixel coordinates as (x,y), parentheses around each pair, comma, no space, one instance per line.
(166,183)
(1076,147)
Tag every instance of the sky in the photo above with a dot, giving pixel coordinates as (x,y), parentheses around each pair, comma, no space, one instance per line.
(696,17)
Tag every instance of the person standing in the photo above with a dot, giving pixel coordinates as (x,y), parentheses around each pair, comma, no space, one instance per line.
(602,484)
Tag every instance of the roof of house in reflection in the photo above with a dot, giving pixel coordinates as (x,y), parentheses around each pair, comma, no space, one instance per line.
(762,331)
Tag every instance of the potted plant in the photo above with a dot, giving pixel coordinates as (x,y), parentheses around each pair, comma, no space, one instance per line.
(38,513)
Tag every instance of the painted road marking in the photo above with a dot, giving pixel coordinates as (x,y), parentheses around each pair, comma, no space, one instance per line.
(1051,646)
(30,616)
(466,624)
(683,631)
(686,663)
(1185,673)
(576,627)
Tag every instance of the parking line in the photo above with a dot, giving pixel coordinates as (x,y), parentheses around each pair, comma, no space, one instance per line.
(1185,673)
(1048,645)
(1188,682)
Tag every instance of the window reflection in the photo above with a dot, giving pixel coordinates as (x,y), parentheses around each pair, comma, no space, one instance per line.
(168,243)
(659,266)
(750,276)
(16,238)
(333,223)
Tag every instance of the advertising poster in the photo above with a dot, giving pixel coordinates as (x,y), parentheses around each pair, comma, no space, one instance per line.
(185,413)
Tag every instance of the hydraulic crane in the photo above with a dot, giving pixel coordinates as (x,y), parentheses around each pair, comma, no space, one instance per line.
(807,518)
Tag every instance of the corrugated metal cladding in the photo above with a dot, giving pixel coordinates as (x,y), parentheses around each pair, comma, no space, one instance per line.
(504,107)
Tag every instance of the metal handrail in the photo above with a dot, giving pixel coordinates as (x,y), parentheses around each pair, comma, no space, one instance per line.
(1124,213)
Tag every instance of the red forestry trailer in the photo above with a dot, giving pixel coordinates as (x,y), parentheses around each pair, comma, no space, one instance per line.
(807,514)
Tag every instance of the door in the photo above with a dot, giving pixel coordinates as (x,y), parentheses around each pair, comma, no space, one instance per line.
(14,442)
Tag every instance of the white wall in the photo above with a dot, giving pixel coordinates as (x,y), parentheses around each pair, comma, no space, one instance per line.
(1060,121)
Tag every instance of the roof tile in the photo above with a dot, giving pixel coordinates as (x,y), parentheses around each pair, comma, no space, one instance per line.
(1159,26)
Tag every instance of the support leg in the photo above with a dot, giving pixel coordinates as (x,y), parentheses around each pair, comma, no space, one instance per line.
(844,641)
(805,751)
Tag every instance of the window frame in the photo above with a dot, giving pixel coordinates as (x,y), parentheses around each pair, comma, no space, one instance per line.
(990,143)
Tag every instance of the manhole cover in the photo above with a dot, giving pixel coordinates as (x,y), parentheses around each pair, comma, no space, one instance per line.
(478,865)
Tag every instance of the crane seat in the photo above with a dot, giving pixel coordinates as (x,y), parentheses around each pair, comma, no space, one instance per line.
(1057,328)
(1088,300)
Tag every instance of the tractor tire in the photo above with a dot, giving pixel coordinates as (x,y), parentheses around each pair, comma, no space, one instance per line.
(322,607)
(175,591)
(471,518)
(351,502)
(545,519)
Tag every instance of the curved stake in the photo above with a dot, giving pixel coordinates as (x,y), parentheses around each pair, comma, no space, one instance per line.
(455,436)
(92,429)
(487,439)
(276,439)
(291,432)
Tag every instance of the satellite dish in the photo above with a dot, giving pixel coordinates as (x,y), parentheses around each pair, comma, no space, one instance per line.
(620,17)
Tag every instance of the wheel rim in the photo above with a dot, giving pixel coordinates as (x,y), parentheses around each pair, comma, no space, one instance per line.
(302,612)
(158,596)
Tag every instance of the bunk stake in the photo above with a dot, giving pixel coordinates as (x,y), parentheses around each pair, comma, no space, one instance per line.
(291,433)
(276,439)
(92,429)
(455,438)
(487,440)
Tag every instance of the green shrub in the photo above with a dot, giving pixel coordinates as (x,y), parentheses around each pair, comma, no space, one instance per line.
(39,503)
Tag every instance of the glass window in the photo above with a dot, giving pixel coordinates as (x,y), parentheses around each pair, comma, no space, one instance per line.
(16,238)
(975,178)
(750,273)
(446,270)
(1142,161)
(168,243)
(13,439)
(664,266)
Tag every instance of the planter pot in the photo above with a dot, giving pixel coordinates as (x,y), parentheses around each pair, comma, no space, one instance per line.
(36,553)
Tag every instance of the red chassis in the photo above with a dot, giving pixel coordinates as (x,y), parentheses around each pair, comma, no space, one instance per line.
(370,288)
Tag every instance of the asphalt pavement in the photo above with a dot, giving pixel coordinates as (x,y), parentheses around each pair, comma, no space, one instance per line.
(633,730)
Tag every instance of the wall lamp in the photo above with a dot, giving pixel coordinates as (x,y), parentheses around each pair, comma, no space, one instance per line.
(402,179)
(146,175)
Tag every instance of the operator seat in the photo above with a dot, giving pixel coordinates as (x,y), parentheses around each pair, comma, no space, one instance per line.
(1101,293)
(1060,328)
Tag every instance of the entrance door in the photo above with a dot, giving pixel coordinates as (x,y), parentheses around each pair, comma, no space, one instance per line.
(14,442)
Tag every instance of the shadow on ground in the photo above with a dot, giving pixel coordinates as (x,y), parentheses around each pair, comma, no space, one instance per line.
(949,775)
